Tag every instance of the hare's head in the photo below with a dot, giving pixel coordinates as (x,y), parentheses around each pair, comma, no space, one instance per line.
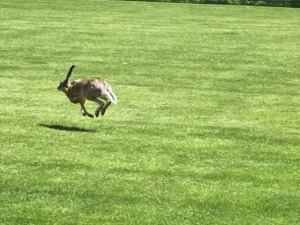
(64,83)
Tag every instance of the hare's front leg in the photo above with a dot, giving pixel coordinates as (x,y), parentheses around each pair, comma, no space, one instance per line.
(84,111)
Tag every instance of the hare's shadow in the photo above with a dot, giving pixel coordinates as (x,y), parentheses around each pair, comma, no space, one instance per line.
(66,128)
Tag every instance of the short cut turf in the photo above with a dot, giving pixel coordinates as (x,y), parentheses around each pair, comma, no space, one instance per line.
(206,130)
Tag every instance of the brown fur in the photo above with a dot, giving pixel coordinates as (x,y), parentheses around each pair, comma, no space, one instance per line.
(93,89)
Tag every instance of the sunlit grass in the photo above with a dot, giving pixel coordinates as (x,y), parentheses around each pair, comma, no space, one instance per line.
(206,130)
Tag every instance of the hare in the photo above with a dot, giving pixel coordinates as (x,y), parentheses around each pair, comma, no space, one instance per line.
(78,91)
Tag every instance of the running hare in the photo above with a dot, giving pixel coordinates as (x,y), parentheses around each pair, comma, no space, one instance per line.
(78,91)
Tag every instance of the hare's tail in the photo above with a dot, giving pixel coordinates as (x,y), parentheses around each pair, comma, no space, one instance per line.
(111,96)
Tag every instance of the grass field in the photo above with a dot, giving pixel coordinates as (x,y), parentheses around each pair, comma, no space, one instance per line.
(206,130)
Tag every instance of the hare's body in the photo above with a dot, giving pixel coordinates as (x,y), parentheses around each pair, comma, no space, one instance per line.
(93,89)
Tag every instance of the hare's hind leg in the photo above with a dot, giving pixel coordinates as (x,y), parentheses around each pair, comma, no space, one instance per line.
(84,111)
(99,108)
(105,107)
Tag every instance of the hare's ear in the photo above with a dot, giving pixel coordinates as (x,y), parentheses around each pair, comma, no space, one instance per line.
(69,73)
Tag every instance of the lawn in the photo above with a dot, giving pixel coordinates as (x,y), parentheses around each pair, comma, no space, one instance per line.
(206,130)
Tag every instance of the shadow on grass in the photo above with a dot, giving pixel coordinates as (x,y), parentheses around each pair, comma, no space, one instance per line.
(65,128)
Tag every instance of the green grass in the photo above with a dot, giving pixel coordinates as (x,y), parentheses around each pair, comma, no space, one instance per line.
(206,130)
